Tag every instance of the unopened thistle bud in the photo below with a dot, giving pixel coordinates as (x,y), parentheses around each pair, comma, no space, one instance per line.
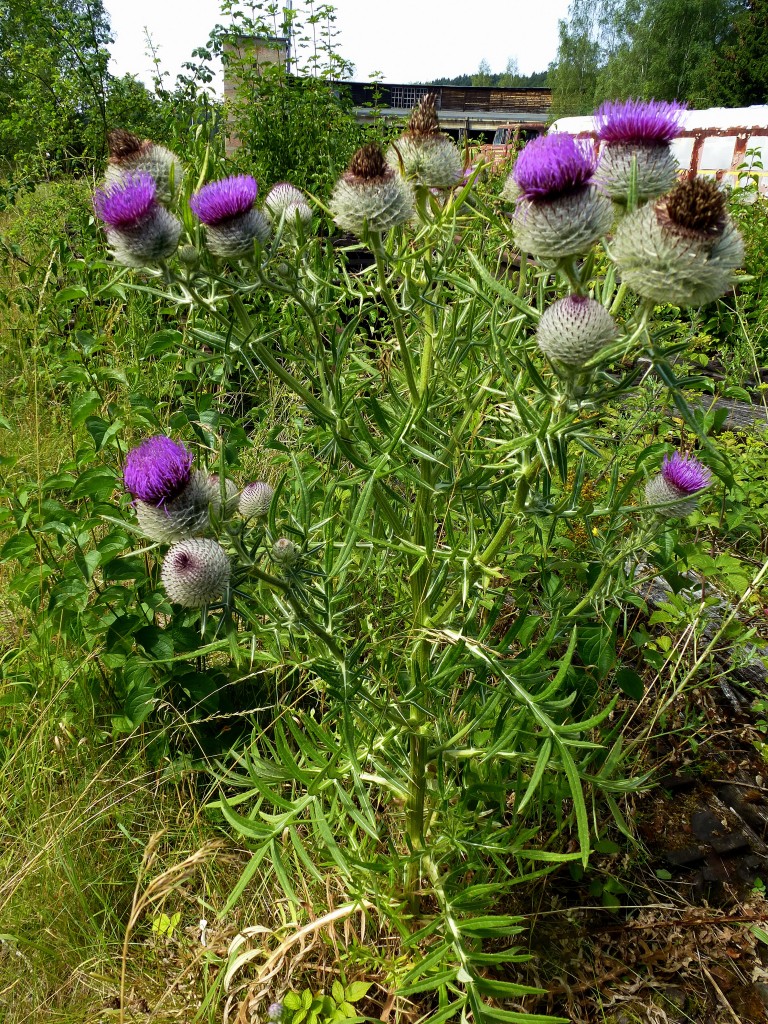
(255,499)
(637,131)
(286,201)
(683,249)
(423,153)
(558,211)
(195,572)
(139,230)
(574,329)
(677,487)
(129,155)
(226,209)
(214,493)
(370,194)
(285,552)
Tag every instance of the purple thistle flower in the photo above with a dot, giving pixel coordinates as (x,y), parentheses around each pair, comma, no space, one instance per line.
(686,473)
(125,204)
(553,166)
(639,122)
(157,470)
(222,200)
(275,1011)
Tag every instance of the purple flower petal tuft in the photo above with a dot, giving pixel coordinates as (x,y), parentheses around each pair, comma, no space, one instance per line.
(225,199)
(554,165)
(157,470)
(649,122)
(127,203)
(686,473)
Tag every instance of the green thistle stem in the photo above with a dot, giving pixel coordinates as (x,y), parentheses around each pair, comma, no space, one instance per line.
(389,301)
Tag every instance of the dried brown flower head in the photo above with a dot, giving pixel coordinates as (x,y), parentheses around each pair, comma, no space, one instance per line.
(696,204)
(424,117)
(123,144)
(368,163)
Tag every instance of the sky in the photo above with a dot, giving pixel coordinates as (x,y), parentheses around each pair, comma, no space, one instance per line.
(405,40)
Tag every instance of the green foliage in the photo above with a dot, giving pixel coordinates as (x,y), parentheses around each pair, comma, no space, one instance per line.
(53,70)
(308,1007)
(292,124)
(739,69)
(650,49)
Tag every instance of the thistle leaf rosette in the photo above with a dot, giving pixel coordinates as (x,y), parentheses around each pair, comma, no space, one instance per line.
(574,329)
(558,211)
(370,195)
(676,489)
(232,223)
(195,572)
(637,132)
(423,153)
(129,155)
(683,249)
(140,231)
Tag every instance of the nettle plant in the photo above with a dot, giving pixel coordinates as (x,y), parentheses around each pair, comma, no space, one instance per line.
(429,586)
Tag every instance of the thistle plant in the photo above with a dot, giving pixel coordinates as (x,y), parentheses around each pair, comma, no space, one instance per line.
(558,209)
(636,155)
(403,582)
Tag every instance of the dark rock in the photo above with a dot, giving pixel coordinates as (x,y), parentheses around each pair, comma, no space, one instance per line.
(730,843)
(677,783)
(706,826)
(685,857)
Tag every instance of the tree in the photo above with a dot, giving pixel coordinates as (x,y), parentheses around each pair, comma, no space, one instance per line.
(573,76)
(739,71)
(483,75)
(661,49)
(511,76)
(53,78)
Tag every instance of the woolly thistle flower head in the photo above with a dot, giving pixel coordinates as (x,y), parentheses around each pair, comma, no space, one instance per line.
(157,470)
(637,134)
(574,329)
(231,494)
(677,487)
(552,166)
(186,515)
(639,122)
(125,204)
(684,249)
(423,153)
(226,209)
(221,200)
(369,195)
(285,200)
(255,499)
(139,230)
(195,572)
(128,154)
(558,212)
